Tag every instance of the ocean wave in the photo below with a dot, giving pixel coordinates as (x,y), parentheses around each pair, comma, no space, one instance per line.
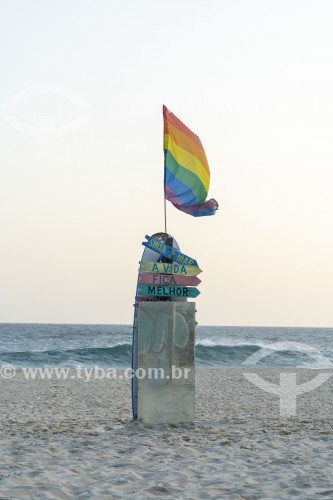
(119,355)
(206,342)
(208,353)
(220,355)
(225,355)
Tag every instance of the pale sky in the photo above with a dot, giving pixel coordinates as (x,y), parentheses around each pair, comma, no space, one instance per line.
(253,79)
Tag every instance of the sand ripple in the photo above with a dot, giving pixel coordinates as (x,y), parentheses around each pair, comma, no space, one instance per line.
(63,439)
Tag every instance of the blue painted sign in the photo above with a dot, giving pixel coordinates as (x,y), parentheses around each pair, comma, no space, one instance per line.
(167,291)
(169,252)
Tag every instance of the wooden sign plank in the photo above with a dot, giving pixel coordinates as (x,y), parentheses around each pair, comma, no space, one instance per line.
(169,252)
(168,279)
(167,291)
(166,268)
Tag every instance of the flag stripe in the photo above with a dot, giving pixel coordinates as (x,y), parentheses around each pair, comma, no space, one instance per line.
(180,193)
(189,161)
(203,209)
(170,117)
(186,143)
(190,181)
(198,210)
(171,196)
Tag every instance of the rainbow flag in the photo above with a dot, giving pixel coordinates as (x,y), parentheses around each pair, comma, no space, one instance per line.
(186,170)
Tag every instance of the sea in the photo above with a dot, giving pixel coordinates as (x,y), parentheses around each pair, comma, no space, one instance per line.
(61,345)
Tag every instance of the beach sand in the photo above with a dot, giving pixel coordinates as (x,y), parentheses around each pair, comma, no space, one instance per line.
(71,438)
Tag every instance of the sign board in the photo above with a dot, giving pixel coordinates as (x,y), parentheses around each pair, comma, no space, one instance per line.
(166,268)
(169,252)
(167,279)
(167,291)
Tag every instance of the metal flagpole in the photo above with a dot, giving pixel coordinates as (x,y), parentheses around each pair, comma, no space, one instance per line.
(164,179)
(165,223)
